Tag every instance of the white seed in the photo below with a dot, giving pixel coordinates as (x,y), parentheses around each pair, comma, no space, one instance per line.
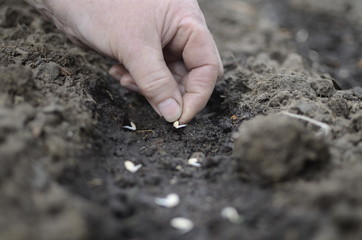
(184,225)
(194,162)
(178,125)
(231,214)
(131,167)
(132,127)
(172,200)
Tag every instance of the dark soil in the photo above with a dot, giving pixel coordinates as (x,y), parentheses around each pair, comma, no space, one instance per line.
(63,148)
(327,40)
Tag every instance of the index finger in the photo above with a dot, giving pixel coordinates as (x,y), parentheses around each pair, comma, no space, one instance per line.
(202,59)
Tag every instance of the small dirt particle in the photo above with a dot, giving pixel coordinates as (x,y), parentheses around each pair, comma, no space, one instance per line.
(48,71)
(339,106)
(16,80)
(323,87)
(358,92)
(280,99)
(357,122)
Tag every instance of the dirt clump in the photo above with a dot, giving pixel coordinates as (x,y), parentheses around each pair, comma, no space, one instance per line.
(23,87)
(323,87)
(276,148)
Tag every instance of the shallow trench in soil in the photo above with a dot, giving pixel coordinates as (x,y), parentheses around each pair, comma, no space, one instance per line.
(163,152)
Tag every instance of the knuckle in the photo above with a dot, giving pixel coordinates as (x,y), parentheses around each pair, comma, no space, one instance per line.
(151,88)
(192,21)
(203,85)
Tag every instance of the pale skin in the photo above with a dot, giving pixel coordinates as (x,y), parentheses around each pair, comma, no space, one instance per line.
(164,48)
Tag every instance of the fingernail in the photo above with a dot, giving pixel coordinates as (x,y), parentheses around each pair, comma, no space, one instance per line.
(170,109)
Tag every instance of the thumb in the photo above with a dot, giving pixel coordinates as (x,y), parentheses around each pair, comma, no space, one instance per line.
(155,81)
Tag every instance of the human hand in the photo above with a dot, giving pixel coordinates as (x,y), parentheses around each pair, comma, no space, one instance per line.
(164,48)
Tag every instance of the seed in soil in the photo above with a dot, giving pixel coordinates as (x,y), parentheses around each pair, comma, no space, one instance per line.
(170,201)
(184,225)
(177,125)
(132,127)
(131,167)
(194,162)
(231,214)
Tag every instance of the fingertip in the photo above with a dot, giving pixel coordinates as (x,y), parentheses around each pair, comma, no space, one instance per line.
(115,74)
(170,109)
(193,103)
(117,71)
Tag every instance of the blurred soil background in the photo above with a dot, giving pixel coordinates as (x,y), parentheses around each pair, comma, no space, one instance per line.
(63,148)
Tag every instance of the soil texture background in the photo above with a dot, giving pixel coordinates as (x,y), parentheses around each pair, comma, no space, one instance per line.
(279,145)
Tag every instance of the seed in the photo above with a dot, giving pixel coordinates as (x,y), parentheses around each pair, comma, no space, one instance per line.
(177,125)
(231,214)
(131,167)
(132,127)
(194,162)
(172,200)
(184,225)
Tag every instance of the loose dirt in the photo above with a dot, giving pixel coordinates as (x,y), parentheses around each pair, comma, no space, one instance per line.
(63,148)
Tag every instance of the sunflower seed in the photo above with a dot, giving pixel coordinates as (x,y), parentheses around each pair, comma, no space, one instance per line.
(178,125)
(231,214)
(194,162)
(131,167)
(132,127)
(170,201)
(184,225)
